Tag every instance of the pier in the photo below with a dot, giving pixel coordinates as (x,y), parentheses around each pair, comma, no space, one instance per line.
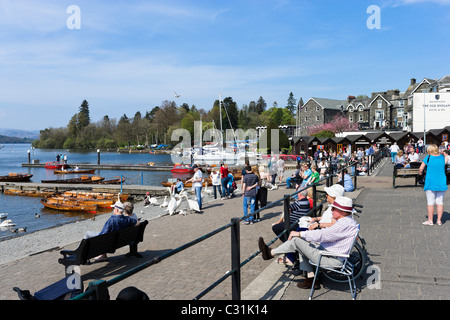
(128,189)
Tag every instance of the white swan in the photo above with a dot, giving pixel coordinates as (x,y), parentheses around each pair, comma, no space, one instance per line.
(192,204)
(174,204)
(7,223)
(165,203)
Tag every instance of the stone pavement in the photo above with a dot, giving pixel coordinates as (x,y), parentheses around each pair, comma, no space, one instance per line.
(412,260)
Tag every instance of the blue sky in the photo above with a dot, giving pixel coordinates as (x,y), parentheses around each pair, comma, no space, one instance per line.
(129,56)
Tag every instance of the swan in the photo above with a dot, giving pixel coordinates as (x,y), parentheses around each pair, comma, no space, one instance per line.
(174,204)
(192,204)
(165,203)
(208,191)
(7,223)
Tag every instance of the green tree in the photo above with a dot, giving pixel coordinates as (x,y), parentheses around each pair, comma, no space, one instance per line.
(291,103)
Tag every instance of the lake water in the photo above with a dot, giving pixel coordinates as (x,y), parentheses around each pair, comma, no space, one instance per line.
(21,210)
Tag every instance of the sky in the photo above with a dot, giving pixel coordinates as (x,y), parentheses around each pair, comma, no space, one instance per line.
(129,56)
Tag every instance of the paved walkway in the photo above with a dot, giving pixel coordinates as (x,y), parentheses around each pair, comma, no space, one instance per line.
(412,260)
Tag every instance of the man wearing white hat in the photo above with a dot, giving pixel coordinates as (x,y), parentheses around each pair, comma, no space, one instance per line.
(337,239)
(116,222)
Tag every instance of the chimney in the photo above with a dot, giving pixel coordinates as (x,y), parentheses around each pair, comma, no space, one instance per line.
(413,81)
(350,98)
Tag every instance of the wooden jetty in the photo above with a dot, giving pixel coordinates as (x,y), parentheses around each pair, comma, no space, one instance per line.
(57,187)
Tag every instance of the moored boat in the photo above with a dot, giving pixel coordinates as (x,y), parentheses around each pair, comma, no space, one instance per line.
(182,168)
(16,177)
(54,165)
(97,195)
(83,179)
(28,193)
(69,206)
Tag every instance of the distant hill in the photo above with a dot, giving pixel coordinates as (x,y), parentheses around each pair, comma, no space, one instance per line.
(21,134)
(5,139)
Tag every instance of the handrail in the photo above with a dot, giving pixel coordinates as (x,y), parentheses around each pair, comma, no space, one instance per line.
(99,288)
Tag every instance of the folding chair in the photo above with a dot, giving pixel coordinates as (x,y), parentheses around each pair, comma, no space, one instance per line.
(346,269)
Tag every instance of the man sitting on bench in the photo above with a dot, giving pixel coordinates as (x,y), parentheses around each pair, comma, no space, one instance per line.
(116,222)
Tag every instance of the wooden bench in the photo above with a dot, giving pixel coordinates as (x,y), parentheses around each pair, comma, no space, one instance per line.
(105,243)
(406,173)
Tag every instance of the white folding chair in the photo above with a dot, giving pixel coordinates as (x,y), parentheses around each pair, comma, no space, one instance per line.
(346,269)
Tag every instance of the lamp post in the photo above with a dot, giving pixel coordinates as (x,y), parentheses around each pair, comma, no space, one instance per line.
(424,129)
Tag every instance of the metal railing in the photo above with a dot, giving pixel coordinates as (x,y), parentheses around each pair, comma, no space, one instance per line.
(98,289)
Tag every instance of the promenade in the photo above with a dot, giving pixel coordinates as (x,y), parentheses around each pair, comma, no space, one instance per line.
(411,260)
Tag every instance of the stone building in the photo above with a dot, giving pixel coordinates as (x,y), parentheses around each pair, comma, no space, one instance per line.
(388,110)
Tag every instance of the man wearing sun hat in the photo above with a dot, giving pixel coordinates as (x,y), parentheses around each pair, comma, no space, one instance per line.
(337,239)
(116,222)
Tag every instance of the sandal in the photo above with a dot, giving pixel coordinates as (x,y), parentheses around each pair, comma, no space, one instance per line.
(427,223)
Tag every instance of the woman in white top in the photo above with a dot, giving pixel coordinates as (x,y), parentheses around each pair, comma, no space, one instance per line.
(216,183)
(326,220)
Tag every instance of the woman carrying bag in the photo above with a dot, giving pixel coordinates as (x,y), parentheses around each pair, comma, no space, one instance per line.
(435,183)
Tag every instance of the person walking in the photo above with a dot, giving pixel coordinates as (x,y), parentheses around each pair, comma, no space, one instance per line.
(435,183)
(249,185)
(394,149)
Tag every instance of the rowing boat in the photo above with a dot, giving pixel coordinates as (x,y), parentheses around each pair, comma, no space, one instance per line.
(16,177)
(69,206)
(101,203)
(96,195)
(83,179)
(28,193)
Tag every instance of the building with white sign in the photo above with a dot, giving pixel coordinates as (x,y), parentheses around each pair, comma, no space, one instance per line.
(431,110)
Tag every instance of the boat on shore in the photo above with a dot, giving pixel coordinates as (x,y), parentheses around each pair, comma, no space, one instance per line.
(74,171)
(83,179)
(16,177)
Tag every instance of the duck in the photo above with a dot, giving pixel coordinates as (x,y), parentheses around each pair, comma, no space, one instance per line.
(37,215)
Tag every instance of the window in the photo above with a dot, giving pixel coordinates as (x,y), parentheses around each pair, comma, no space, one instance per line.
(360,118)
(317,118)
(306,109)
(380,103)
(306,118)
(350,118)
(317,108)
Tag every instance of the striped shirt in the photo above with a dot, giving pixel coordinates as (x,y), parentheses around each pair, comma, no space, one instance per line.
(299,209)
(337,239)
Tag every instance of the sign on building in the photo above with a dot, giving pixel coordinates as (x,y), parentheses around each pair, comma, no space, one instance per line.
(431,110)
